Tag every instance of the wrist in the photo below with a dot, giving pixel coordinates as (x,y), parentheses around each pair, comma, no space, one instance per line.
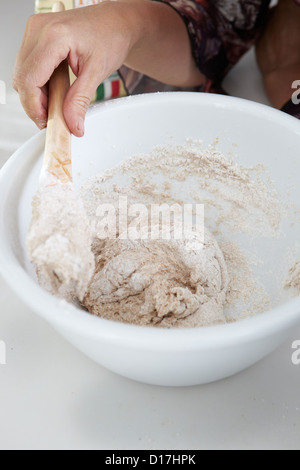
(127,18)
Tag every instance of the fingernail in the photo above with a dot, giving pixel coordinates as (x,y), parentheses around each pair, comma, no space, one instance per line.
(41,124)
(80,126)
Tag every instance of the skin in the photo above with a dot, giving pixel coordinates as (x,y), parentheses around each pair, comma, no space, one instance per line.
(96,41)
(278,52)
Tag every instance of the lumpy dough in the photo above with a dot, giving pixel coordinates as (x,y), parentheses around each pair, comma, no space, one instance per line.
(166,283)
(59,241)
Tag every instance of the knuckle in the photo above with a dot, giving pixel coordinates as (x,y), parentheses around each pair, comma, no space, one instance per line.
(33,111)
(15,86)
(15,83)
(32,21)
(55,31)
(20,81)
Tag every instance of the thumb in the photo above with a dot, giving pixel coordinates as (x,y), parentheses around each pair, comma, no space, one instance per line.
(78,99)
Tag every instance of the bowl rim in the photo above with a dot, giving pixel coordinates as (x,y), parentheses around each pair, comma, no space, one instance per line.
(67,317)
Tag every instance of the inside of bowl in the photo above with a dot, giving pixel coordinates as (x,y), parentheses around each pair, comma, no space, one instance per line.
(250,134)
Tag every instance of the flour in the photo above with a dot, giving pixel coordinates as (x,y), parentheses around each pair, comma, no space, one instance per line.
(245,202)
(293,280)
(190,282)
(179,283)
(59,241)
(165,283)
(243,289)
(149,283)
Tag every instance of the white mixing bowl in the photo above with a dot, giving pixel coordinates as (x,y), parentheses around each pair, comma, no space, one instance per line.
(131,126)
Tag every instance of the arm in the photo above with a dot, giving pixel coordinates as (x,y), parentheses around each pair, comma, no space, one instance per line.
(163,49)
(147,36)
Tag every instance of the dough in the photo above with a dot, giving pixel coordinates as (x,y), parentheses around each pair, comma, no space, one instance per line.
(59,242)
(165,283)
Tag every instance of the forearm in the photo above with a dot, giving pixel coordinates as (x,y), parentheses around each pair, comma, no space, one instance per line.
(161,48)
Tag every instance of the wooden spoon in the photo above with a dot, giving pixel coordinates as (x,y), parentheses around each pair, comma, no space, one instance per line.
(60,238)
(57,157)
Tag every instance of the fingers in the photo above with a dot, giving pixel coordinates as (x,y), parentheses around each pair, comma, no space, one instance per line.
(79,98)
(87,38)
(35,104)
(42,50)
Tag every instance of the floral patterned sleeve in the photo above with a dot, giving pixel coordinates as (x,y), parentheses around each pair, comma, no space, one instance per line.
(292,108)
(221,32)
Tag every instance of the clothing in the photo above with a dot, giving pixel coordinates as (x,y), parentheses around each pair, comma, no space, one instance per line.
(292,108)
(221,32)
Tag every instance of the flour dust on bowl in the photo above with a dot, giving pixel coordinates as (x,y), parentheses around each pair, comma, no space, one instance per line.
(255,136)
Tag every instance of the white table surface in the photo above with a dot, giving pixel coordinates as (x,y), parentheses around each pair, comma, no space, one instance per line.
(53,397)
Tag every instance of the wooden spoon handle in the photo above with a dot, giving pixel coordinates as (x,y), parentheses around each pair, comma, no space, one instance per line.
(57,158)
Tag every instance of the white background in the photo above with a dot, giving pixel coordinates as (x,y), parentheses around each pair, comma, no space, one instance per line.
(52,397)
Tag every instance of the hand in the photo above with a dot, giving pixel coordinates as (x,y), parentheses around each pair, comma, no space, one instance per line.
(95,40)
(149,37)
